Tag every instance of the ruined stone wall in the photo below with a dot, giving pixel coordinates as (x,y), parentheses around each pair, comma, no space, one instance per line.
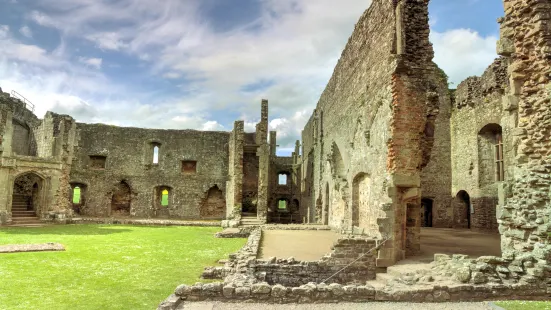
(235,172)
(52,170)
(373,121)
(350,126)
(290,192)
(190,164)
(524,215)
(436,176)
(478,112)
(307,199)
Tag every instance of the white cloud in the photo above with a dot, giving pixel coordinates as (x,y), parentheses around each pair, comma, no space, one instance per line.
(463,52)
(26,31)
(293,45)
(92,62)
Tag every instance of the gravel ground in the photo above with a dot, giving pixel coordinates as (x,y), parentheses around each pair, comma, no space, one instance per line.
(339,306)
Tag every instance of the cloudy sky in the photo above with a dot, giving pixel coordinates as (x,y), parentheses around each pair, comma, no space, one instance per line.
(202,64)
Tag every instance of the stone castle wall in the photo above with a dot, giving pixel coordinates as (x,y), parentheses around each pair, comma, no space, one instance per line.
(128,156)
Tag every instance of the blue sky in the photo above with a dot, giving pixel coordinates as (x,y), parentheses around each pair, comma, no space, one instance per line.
(204,63)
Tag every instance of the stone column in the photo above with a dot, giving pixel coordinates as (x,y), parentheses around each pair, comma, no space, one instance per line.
(263,153)
(234,186)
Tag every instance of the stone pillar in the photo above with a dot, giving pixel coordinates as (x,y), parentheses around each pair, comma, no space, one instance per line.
(65,141)
(263,153)
(273,143)
(234,186)
(524,221)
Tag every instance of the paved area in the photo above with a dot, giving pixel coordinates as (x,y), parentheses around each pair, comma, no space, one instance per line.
(305,245)
(311,245)
(340,306)
(457,241)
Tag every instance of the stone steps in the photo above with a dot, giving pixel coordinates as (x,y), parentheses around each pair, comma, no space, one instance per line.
(248,221)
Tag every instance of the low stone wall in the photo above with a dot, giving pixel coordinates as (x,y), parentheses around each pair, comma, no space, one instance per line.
(358,255)
(318,293)
(146,222)
(237,262)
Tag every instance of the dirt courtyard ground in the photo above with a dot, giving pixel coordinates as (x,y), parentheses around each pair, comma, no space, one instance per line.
(305,245)
(457,241)
(311,245)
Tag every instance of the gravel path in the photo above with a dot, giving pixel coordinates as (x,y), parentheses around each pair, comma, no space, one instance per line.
(339,306)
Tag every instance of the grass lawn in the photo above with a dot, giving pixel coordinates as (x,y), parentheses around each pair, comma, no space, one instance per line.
(524,305)
(105,267)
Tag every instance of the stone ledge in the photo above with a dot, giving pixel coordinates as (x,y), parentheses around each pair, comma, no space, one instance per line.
(43,247)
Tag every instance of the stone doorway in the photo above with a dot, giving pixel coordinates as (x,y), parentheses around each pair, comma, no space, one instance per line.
(426,212)
(462,210)
(26,197)
(121,200)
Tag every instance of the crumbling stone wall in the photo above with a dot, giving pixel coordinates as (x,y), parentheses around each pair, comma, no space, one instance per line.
(358,254)
(50,165)
(129,161)
(289,192)
(478,111)
(234,195)
(436,177)
(524,210)
(372,121)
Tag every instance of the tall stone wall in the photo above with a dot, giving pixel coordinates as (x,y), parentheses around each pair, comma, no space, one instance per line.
(371,121)
(478,113)
(436,176)
(526,39)
(190,164)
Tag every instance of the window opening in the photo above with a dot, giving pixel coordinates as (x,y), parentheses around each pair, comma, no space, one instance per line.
(500,171)
(189,166)
(156,154)
(164,198)
(76,195)
(97,162)
(282,205)
(282,179)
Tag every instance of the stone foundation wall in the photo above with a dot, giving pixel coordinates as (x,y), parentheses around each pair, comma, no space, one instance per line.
(354,254)
(332,293)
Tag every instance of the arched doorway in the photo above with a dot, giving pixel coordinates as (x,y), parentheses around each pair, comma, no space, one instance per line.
(462,210)
(26,197)
(426,212)
(121,200)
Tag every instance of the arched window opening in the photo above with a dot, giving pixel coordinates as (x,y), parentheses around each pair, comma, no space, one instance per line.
(76,195)
(491,166)
(282,204)
(156,154)
(164,198)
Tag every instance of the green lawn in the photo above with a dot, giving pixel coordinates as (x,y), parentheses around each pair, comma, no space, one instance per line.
(105,267)
(524,305)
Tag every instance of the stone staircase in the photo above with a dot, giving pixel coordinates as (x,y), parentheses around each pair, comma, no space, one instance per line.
(249,220)
(21,215)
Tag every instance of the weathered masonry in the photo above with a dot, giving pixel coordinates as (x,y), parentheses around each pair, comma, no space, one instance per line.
(56,168)
(389,148)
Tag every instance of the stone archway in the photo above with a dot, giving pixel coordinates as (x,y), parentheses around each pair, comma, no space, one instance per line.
(27,199)
(462,210)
